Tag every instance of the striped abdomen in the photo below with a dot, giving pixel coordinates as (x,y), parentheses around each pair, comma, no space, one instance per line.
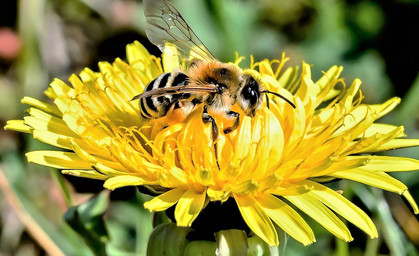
(156,107)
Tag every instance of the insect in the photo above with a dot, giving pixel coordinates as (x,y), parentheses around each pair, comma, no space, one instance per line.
(207,81)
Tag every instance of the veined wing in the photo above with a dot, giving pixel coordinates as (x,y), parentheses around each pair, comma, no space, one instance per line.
(177,90)
(166,24)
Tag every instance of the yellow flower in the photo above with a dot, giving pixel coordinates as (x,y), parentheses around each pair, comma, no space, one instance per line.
(273,160)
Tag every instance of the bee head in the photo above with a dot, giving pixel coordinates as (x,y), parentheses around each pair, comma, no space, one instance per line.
(249,95)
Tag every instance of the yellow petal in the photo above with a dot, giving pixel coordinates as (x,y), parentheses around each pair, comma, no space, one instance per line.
(344,163)
(108,169)
(296,131)
(139,58)
(256,131)
(307,88)
(123,181)
(136,52)
(18,125)
(386,107)
(288,78)
(57,159)
(378,128)
(320,213)
(350,93)
(205,177)
(256,218)
(398,143)
(411,201)
(61,89)
(43,121)
(266,69)
(290,190)
(376,179)
(370,144)
(88,76)
(188,207)
(90,174)
(221,194)
(356,123)
(390,164)
(242,140)
(53,139)
(48,108)
(173,177)
(343,207)
(274,143)
(324,87)
(245,187)
(286,218)
(165,200)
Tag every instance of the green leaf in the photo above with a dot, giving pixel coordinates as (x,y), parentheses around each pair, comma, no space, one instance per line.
(87,220)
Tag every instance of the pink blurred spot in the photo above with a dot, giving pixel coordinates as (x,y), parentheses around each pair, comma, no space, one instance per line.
(10,44)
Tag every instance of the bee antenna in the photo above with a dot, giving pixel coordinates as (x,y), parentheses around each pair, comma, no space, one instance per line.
(282,97)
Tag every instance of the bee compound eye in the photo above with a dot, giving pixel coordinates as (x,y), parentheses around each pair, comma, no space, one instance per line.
(250,94)
(253,83)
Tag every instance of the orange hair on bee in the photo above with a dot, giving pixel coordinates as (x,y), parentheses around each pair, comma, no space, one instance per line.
(200,71)
(177,115)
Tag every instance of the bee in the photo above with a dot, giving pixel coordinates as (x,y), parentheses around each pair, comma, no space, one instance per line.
(216,85)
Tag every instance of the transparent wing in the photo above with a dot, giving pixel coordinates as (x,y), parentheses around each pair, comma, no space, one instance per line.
(207,88)
(165,24)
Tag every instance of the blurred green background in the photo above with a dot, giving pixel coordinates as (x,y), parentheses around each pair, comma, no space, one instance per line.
(376,41)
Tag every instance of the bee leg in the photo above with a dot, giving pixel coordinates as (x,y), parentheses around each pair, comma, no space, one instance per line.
(236,116)
(206,118)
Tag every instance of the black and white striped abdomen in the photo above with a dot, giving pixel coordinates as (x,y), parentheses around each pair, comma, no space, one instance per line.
(156,107)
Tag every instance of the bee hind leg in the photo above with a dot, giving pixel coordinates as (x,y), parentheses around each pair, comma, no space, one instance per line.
(236,116)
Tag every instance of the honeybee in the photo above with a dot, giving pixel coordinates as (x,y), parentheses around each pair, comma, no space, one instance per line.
(216,85)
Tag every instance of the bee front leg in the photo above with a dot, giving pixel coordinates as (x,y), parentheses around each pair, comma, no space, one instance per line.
(206,118)
(236,116)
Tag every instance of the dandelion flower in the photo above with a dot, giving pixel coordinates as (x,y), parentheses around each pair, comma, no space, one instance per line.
(273,161)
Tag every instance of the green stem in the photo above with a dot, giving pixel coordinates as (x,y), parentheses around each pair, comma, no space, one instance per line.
(342,247)
(63,188)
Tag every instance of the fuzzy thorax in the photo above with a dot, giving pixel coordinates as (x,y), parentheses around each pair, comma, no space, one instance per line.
(227,77)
